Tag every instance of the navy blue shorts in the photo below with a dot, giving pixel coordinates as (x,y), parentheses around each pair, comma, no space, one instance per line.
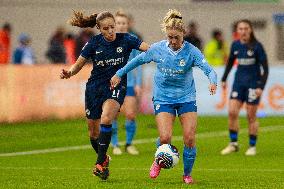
(130,91)
(176,109)
(244,94)
(96,96)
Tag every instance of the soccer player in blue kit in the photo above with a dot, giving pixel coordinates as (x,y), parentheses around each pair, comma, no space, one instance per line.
(109,51)
(130,104)
(174,89)
(250,79)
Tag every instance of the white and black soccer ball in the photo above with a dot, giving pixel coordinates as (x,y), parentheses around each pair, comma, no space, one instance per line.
(167,156)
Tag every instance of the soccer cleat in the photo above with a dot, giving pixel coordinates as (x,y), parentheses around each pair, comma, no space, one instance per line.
(251,151)
(187,179)
(131,150)
(155,170)
(232,147)
(116,151)
(102,171)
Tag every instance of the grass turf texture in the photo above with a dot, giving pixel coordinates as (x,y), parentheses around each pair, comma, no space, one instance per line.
(72,169)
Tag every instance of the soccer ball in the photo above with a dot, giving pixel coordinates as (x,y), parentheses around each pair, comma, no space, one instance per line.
(167,156)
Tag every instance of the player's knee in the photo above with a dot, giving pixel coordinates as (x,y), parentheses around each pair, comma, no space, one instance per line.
(251,118)
(233,114)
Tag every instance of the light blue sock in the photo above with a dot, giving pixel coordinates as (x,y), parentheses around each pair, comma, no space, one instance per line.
(189,155)
(114,136)
(130,126)
(158,142)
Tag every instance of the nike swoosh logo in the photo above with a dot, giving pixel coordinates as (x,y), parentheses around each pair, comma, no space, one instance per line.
(98,52)
(102,144)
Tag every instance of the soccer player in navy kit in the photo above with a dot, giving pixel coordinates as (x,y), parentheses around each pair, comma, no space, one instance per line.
(174,89)
(250,79)
(109,51)
(130,105)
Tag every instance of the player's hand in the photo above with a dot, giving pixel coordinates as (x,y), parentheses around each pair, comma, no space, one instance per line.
(65,74)
(114,81)
(258,92)
(138,90)
(224,85)
(212,89)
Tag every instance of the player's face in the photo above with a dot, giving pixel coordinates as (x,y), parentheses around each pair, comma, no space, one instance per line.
(107,28)
(244,30)
(175,38)
(121,24)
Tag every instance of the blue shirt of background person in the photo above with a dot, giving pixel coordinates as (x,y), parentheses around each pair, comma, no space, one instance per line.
(23,54)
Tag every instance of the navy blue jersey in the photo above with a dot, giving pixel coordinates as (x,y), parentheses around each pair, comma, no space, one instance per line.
(108,57)
(252,70)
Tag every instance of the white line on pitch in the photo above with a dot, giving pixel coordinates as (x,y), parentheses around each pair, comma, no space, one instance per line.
(139,141)
(140,169)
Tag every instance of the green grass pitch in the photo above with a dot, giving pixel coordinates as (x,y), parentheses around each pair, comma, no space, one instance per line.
(72,167)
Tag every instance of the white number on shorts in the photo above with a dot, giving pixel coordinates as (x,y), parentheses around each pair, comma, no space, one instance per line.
(115,93)
(252,95)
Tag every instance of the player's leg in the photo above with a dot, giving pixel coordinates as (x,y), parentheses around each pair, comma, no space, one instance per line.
(188,117)
(253,128)
(94,131)
(165,116)
(130,111)
(114,138)
(234,110)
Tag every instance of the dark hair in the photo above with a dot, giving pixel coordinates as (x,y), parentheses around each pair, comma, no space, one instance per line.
(89,21)
(7,26)
(252,36)
(216,32)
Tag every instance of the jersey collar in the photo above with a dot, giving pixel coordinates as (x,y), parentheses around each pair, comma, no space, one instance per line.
(172,51)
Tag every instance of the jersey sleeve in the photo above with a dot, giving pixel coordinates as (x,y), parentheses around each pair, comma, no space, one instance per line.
(230,63)
(202,63)
(144,57)
(262,60)
(133,41)
(87,49)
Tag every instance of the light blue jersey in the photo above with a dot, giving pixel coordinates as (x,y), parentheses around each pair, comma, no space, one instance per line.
(134,77)
(173,80)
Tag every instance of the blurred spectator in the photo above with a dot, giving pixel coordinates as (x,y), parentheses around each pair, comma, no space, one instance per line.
(56,52)
(24,54)
(69,44)
(216,50)
(192,36)
(5,43)
(131,29)
(84,36)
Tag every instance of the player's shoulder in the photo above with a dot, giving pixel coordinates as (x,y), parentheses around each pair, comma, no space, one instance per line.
(160,44)
(191,48)
(96,39)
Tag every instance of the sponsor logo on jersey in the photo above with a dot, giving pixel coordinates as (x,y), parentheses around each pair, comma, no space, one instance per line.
(182,62)
(119,49)
(246,61)
(250,52)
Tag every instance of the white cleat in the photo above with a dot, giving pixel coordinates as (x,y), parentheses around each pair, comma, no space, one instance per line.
(232,147)
(116,151)
(251,151)
(131,150)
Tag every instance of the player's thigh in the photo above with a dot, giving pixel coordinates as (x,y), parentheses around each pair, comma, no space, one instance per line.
(129,107)
(94,127)
(235,106)
(188,122)
(165,123)
(110,110)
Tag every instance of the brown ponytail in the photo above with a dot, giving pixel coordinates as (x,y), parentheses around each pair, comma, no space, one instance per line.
(88,21)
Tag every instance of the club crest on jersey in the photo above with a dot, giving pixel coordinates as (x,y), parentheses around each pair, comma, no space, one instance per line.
(182,62)
(119,49)
(236,52)
(250,52)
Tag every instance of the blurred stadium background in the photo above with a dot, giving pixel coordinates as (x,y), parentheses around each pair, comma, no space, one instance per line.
(37,154)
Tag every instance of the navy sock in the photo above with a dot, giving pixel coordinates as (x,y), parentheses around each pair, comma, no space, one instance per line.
(104,140)
(233,135)
(252,140)
(94,142)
